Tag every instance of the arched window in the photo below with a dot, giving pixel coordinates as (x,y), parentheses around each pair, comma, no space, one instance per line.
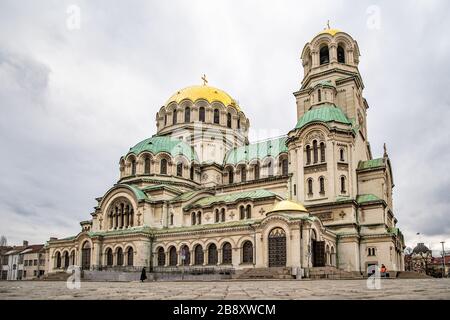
(308,154)
(229,120)
(130,253)
(147,165)
(201,114)
(315,151)
(247,252)
(186,254)
(199,217)
(256,171)
(212,254)
(66,260)
(133,167)
(230,176)
(222,215)
(165,120)
(193,218)
(310,186)
(217,214)
(161,257)
(187,115)
(322,185)
(341,155)
(248,212)
(109,257)
(238,123)
(241,212)
(198,252)
(72,257)
(86,256)
(341,54)
(284,167)
(243,174)
(324,55)
(191,172)
(343,184)
(171,219)
(119,257)
(319,95)
(163,169)
(322,152)
(173,256)
(180,169)
(226,253)
(174,117)
(270,169)
(58,260)
(216,116)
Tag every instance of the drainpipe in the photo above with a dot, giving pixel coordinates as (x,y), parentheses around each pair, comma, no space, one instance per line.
(150,269)
(337,251)
(254,245)
(301,246)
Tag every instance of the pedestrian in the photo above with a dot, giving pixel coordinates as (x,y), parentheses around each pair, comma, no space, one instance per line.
(143,275)
(383,271)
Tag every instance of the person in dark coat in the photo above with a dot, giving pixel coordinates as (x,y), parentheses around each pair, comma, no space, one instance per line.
(143,275)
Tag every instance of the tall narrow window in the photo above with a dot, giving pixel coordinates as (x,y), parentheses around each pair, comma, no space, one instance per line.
(163,169)
(201,114)
(147,165)
(174,117)
(243,174)
(238,123)
(310,186)
(130,253)
(324,55)
(269,169)
(248,212)
(315,151)
(161,257)
(193,218)
(284,167)
(198,255)
(341,155)
(109,257)
(343,185)
(199,217)
(171,219)
(216,116)
(256,171)
(308,154)
(222,215)
(241,212)
(322,185)
(295,189)
(341,54)
(322,152)
(217,215)
(133,167)
(187,114)
(226,253)
(180,169)
(165,119)
(319,95)
(173,257)
(229,120)
(119,257)
(247,252)
(230,176)
(191,173)
(212,254)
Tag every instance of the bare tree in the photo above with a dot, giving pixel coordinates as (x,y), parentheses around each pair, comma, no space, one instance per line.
(3,241)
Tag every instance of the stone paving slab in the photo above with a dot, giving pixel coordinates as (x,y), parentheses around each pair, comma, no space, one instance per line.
(231,289)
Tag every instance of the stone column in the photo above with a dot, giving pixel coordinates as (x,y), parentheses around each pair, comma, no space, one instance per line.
(126,218)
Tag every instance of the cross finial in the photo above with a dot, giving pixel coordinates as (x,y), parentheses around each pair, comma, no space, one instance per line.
(204,80)
(328,24)
(385,151)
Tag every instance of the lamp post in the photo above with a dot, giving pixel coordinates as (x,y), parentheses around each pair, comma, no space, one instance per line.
(443,259)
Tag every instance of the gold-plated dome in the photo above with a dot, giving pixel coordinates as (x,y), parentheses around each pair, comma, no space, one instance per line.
(330,31)
(206,92)
(288,205)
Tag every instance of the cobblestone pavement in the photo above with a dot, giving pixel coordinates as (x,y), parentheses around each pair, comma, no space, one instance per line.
(246,290)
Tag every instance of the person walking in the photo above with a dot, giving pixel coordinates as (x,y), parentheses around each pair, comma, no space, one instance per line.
(383,271)
(143,275)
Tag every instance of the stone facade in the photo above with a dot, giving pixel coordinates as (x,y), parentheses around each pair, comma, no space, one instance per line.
(198,195)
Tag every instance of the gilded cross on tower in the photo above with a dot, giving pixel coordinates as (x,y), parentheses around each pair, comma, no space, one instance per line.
(204,80)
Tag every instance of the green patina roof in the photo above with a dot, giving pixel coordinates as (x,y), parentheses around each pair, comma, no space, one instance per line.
(325,113)
(140,195)
(157,144)
(208,226)
(326,83)
(370,164)
(363,198)
(233,197)
(132,230)
(257,150)
(185,196)
(162,186)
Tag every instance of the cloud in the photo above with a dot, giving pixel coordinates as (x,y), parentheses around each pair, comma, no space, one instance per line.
(74,101)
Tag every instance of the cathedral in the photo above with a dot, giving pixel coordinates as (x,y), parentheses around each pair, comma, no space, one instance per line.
(198,195)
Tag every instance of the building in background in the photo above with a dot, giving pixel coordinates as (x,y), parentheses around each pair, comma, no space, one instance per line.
(419,260)
(33,262)
(4,262)
(23,262)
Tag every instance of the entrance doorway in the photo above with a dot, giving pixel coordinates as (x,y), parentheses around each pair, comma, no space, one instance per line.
(277,248)
(86,256)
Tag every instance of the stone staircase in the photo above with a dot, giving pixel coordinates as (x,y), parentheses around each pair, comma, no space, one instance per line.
(56,276)
(332,273)
(412,275)
(263,273)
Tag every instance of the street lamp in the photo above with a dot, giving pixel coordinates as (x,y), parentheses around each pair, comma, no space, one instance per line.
(443,259)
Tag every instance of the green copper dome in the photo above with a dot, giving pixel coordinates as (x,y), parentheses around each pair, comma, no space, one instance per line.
(325,113)
(157,144)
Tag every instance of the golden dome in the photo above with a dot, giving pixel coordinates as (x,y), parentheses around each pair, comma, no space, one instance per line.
(206,92)
(330,31)
(288,205)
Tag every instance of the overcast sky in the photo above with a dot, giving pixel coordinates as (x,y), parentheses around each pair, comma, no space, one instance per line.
(75,97)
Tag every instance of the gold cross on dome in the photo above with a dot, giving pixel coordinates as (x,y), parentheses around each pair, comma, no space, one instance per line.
(204,80)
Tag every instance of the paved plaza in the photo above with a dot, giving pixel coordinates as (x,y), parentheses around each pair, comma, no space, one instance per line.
(245,290)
